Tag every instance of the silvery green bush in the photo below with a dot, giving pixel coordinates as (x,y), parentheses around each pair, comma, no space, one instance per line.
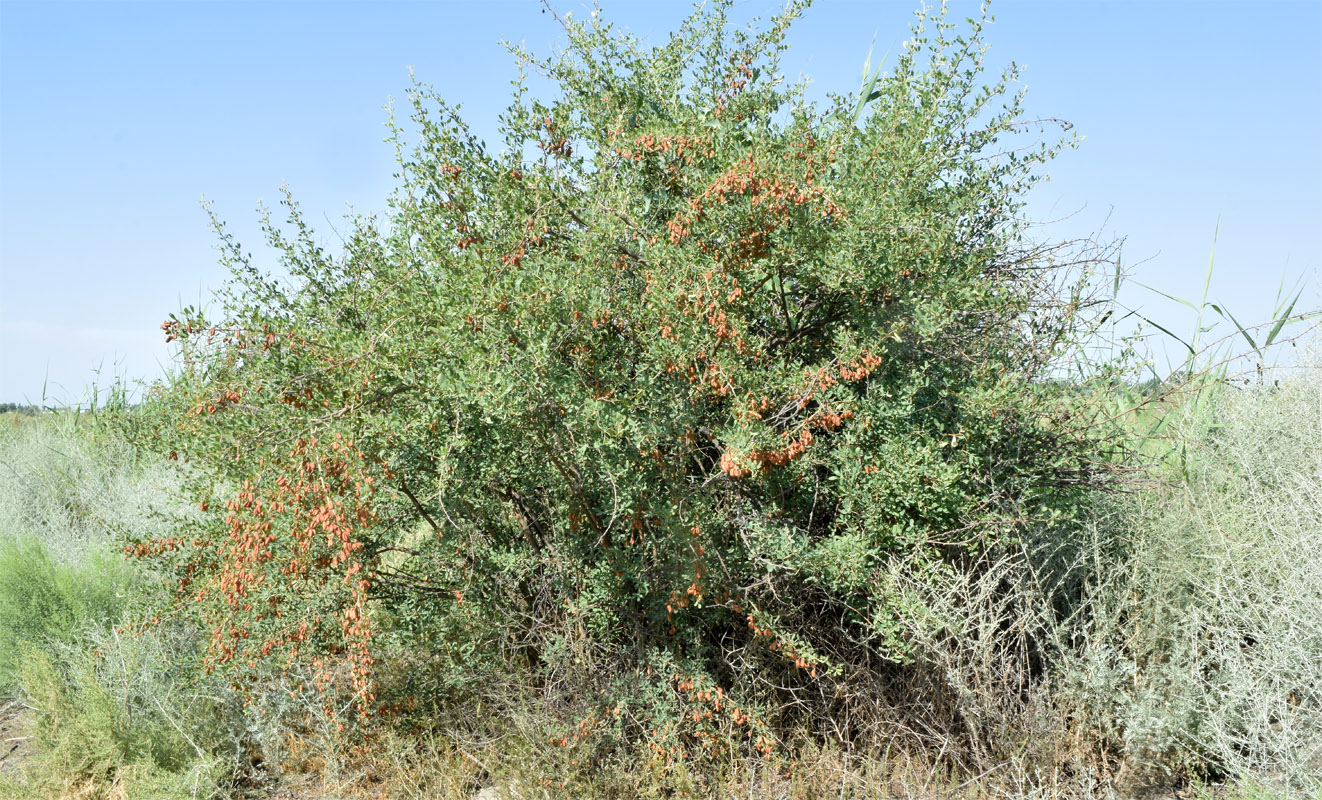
(1202,644)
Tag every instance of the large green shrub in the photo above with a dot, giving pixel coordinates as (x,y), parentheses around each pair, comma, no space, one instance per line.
(651,397)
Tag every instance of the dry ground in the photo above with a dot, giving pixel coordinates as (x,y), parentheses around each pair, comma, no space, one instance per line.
(15,743)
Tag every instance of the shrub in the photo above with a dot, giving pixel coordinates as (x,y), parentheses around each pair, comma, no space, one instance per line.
(648,404)
(121,716)
(112,714)
(1203,642)
(76,490)
(66,496)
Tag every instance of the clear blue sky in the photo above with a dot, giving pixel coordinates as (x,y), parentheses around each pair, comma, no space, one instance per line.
(116,118)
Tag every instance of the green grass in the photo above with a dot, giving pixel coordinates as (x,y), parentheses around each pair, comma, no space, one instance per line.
(113,715)
(45,603)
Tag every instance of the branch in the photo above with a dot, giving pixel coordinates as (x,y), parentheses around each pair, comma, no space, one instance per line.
(404,488)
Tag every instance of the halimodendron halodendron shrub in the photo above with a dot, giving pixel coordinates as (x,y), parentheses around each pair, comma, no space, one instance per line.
(644,403)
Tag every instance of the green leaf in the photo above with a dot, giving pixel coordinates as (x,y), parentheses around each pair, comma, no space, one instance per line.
(1280,322)
(1242,330)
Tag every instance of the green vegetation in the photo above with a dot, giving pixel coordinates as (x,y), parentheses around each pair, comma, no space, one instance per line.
(700,442)
(43,601)
(111,713)
(1202,649)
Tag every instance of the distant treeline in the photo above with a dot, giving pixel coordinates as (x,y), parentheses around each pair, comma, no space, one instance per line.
(19,408)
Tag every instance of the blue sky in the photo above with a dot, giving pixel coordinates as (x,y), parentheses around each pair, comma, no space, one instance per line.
(116,118)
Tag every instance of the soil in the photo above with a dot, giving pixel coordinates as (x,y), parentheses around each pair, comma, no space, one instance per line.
(16,744)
